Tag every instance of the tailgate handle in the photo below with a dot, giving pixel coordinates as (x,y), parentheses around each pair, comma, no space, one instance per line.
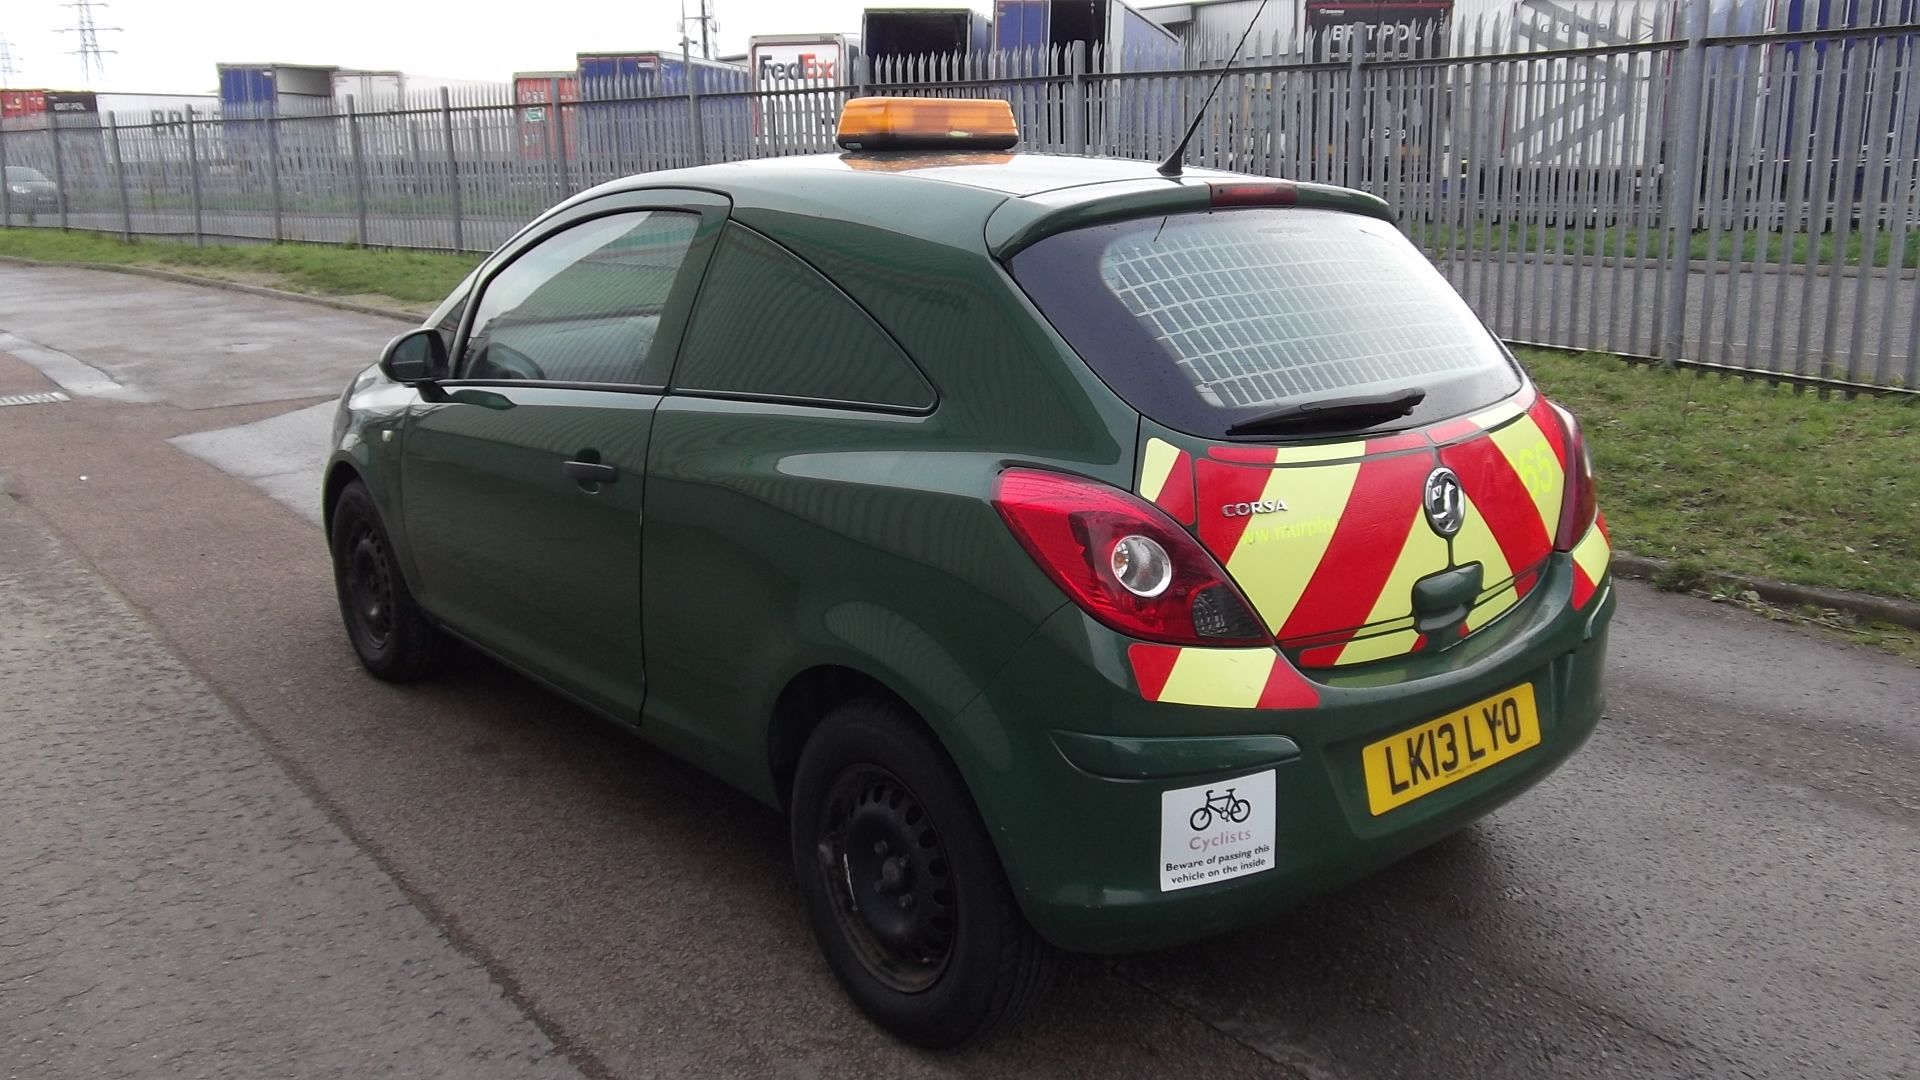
(1441,600)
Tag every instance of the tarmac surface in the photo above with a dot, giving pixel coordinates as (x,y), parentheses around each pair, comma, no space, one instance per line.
(234,854)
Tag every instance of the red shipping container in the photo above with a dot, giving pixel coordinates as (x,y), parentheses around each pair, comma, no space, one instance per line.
(530,93)
(22,103)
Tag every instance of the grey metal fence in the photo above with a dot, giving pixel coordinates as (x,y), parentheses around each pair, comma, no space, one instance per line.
(1710,196)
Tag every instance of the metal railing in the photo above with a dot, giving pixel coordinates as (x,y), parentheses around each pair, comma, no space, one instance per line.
(1734,200)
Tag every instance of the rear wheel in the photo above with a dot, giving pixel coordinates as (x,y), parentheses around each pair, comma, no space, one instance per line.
(902,885)
(393,638)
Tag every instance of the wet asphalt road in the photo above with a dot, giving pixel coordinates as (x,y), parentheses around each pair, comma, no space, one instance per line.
(1723,883)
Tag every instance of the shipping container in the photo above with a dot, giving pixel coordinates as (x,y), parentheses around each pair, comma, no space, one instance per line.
(629,101)
(536,106)
(254,90)
(891,33)
(371,91)
(23,109)
(1125,39)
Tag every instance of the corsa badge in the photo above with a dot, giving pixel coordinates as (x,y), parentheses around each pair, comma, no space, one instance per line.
(1248,509)
(1445,504)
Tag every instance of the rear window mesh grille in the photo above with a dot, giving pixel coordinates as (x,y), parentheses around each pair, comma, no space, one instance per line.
(1266,316)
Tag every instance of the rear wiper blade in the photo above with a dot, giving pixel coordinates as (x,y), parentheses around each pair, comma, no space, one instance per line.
(1371,408)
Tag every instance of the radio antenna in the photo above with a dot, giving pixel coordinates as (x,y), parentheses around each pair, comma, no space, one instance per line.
(1171,166)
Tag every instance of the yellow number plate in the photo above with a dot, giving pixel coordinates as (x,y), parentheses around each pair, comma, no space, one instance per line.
(1425,759)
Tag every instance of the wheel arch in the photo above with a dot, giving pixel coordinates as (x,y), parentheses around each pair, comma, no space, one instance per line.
(805,701)
(339,475)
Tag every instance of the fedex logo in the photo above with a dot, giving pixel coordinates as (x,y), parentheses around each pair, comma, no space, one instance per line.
(803,66)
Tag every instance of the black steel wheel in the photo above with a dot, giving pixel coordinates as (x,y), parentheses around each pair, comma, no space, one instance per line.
(882,860)
(902,884)
(389,633)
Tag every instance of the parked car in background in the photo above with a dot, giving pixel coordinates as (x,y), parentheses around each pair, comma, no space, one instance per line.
(29,192)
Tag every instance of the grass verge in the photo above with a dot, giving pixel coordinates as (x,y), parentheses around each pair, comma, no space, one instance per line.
(1627,242)
(1749,478)
(407,279)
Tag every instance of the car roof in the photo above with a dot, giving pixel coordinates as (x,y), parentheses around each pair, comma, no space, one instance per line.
(1015,175)
(891,191)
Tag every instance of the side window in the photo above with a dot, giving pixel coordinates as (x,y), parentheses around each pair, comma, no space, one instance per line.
(769,325)
(582,305)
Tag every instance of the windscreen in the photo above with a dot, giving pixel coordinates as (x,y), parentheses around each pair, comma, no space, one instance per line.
(1202,320)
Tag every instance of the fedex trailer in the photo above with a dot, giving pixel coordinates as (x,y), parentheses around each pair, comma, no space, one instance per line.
(794,74)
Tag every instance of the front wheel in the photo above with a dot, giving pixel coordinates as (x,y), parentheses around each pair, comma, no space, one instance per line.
(902,884)
(389,632)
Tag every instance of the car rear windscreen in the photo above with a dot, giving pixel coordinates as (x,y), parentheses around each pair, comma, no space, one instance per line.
(1202,320)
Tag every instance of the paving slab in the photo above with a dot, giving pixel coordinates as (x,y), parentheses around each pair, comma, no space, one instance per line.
(173,903)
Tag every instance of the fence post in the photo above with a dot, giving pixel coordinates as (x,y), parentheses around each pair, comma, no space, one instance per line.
(120,179)
(862,75)
(6,192)
(1077,100)
(1356,108)
(453,166)
(59,170)
(273,178)
(1683,188)
(559,135)
(696,138)
(359,175)
(193,181)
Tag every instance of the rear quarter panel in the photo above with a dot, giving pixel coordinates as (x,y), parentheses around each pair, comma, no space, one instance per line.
(780,537)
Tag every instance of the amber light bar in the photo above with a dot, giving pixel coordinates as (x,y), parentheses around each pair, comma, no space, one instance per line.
(903,123)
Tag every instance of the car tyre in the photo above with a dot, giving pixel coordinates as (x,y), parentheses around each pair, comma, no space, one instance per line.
(902,884)
(389,632)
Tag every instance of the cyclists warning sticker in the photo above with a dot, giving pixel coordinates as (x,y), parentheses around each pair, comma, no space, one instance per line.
(1216,832)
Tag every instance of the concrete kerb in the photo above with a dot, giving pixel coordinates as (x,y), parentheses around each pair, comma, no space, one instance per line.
(414,317)
(1862,606)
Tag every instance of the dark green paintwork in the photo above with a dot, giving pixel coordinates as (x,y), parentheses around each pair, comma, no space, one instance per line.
(751,545)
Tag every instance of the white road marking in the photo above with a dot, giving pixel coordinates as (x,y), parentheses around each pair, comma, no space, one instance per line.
(74,375)
(284,456)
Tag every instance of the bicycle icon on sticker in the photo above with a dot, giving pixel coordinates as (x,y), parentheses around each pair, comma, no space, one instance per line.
(1226,806)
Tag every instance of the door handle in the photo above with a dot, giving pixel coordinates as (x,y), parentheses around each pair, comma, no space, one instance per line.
(590,472)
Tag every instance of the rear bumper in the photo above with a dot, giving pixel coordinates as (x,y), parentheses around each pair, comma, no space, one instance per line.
(1069,765)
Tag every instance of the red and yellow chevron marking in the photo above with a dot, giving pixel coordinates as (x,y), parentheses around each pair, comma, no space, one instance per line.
(1219,678)
(1590,558)
(1166,479)
(1377,541)
(1332,575)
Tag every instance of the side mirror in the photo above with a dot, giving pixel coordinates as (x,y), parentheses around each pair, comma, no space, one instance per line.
(415,357)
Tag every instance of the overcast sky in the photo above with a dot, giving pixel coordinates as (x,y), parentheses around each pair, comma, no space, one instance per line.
(163,49)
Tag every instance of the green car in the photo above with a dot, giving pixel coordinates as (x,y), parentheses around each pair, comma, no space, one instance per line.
(1082,558)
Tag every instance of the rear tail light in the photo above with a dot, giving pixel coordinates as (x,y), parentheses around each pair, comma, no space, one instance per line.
(1579,502)
(1124,562)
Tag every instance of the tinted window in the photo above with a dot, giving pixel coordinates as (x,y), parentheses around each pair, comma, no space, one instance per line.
(582,305)
(20,174)
(769,325)
(1201,320)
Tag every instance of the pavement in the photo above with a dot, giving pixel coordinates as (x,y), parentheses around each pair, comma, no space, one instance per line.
(236,855)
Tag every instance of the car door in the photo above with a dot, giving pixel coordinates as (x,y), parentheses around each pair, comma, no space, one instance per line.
(521,474)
